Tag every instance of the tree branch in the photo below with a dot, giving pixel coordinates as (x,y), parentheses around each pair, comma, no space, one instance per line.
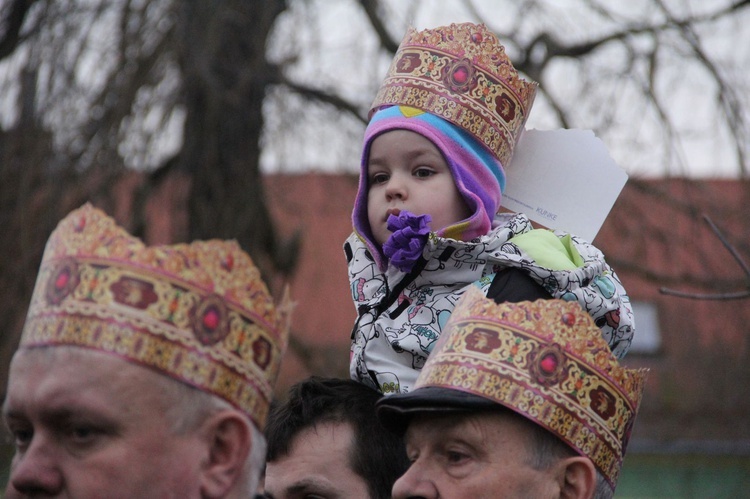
(550,47)
(321,96)
(12,36)
(730,103)
(718,296)
(371,10)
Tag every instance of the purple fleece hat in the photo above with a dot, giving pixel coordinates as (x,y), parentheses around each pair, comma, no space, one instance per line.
(478,174)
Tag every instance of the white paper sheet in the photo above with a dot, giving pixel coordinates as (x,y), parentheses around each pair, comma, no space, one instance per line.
(563,179)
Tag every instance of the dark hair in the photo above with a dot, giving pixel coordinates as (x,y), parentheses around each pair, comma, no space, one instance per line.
(378,456)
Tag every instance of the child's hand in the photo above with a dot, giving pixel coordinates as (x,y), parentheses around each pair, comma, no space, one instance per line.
(409,235)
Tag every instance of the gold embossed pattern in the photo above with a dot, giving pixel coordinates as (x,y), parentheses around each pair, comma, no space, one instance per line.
(461,74)
(198,312)
(547,361)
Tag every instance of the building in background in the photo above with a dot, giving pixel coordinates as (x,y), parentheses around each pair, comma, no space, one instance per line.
(692,436)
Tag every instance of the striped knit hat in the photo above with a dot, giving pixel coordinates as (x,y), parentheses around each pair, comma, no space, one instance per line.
(478,174)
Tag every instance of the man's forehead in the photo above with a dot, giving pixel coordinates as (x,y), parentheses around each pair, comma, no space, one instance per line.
(76,360)
(317,463)
(479,424)
(339,433)
(55,375)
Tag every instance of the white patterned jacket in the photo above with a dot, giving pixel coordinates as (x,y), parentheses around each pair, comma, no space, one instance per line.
(401,315)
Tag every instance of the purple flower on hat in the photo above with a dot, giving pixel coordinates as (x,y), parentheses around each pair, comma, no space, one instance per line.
(409,235)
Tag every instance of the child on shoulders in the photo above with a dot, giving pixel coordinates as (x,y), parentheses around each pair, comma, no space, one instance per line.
(426,222)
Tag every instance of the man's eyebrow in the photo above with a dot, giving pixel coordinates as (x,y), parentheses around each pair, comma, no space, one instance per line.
(12,413)
(57,416)
(312,485)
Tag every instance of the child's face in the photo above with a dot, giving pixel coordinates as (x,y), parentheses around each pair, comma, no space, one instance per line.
(406,171)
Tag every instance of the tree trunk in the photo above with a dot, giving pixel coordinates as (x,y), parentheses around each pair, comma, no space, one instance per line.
(225,79)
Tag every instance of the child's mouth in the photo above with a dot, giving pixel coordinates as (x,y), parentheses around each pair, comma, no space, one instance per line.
(393,211)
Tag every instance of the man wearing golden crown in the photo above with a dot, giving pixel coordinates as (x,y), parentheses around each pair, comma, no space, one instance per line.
(517,400)
(142,371)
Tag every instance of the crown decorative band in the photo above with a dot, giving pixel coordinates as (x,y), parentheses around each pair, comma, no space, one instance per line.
(580,399)
(163,323)
(461,74)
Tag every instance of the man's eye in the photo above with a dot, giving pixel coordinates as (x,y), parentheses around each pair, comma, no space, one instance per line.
(22,437)
(456,457)
(82,434)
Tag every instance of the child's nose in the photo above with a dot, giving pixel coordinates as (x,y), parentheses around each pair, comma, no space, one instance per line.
(396,188)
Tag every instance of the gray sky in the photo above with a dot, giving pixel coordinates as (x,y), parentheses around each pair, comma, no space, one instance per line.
(334,50)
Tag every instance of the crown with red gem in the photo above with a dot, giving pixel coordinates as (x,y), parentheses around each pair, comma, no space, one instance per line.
(461,74)
(545,360)
(198,312)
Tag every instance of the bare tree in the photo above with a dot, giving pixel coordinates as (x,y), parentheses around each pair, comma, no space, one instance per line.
(659,82)
(205,92)
(663,85)
(208,91)
(95,90)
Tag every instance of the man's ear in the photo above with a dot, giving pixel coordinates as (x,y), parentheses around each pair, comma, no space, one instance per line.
(229,440)
(577,478)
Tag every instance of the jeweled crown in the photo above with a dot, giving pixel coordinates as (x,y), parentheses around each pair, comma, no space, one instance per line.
(461,74)
(547,361)
(198,312)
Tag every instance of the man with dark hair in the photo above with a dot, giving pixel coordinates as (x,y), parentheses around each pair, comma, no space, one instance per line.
(516,400)
(325,440)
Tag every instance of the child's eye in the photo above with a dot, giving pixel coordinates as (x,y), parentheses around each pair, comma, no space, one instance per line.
(423,172)
(379,178)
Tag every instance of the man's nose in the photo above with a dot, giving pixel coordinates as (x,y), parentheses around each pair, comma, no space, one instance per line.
(36,470)
(416,483)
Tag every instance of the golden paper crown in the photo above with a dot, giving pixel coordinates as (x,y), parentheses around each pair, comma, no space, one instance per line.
(198,312)
(547,361)
(461,74)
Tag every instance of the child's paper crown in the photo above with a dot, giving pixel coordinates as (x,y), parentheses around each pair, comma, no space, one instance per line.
(545,360)
(198,312)
(461,74)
